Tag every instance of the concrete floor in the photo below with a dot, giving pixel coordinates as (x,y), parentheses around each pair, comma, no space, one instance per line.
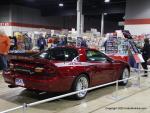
(130,99)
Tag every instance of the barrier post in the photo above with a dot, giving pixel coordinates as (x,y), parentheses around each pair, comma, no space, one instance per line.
(115,94)
(24,108)
(139,78)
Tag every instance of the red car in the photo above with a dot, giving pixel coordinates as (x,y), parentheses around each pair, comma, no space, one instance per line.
(64,69)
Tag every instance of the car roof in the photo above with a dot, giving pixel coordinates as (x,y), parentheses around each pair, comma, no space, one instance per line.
(73,47)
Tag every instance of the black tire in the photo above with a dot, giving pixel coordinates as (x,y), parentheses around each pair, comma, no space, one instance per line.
(76,86)
(125,74)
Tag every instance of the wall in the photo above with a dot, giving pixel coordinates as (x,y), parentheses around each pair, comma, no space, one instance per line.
(33,16)
(5,14)
(19,18)
(138,16)
(137,9)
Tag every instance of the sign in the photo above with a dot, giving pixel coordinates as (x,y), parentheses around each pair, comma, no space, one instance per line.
(138,58)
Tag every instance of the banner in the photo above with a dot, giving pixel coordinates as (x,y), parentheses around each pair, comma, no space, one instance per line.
(138,58)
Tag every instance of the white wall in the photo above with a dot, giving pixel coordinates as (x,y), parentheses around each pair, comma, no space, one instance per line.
(138,29)
(138,9)
(7,30)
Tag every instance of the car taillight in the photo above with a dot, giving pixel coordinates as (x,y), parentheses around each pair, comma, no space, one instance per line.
(38,69)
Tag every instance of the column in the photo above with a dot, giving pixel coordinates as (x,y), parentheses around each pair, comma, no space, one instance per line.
(79,13)
(82,24)
(102,25)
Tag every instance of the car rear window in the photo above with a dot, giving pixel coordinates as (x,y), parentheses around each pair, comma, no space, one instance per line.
(59,54)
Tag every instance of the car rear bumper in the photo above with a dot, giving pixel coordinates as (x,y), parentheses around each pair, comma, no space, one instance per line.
(51,84)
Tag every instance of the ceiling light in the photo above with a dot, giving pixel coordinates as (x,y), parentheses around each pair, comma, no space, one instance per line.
(61,4)
(107,1)
(105,13)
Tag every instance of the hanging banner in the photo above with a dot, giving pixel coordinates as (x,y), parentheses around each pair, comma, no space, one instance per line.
(138,58)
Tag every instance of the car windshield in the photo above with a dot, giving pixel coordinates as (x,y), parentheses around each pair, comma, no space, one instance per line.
(59,54)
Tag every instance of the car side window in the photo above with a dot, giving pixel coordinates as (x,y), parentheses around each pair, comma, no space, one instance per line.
(93,55)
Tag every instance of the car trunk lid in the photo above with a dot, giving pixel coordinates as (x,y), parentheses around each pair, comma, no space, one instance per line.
(32,66)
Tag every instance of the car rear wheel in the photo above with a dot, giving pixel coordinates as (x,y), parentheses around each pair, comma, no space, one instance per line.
(125,75)
(81,83)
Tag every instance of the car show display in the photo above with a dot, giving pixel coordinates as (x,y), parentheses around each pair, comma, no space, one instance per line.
(64,69)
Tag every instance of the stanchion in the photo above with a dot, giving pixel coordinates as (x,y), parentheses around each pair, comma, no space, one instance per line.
(115,95)
(139,76)
(117,87)
(139,79)
(137,82)
(24,108)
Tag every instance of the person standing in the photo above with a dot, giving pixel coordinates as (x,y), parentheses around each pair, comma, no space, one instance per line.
(83,43)
(13,43)
(41,43)
(4,48)
(146,55)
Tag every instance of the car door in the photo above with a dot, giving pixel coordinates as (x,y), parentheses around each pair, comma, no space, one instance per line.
(104,69)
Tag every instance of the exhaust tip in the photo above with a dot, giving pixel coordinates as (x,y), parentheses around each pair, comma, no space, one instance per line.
(12,86)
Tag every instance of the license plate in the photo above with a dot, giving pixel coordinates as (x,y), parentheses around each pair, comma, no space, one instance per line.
(19,82)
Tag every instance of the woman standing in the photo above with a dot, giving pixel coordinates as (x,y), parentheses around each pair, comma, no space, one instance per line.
(146,55)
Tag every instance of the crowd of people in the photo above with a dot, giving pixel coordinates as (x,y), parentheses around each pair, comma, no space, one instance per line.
(6,45)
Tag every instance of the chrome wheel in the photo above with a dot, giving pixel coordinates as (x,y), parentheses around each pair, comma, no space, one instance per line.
(82,83)
(125,75)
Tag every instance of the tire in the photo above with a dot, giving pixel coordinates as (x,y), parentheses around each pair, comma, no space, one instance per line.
(81,82)
(125,74)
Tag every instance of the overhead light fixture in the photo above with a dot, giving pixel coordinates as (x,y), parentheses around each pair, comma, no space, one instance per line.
(61,4)
(107,1)
(105,13)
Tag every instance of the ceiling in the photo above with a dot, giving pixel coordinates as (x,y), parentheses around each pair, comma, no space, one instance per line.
(90,7)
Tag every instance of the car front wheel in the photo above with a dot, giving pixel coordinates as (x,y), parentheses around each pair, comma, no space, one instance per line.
(81,83)
(125,75)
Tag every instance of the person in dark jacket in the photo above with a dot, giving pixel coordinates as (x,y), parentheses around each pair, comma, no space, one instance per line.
(13,43)
(146,55)
(83,43)
(41,43)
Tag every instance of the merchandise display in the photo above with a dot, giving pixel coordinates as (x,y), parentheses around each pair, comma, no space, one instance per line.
(120,45)
(44,71)
(111,45)
(116,46)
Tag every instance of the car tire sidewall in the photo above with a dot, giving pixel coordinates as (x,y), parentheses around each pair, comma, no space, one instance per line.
(123,83)
(74,87)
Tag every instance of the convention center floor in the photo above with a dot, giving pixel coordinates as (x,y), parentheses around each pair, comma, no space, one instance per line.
(133,98)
